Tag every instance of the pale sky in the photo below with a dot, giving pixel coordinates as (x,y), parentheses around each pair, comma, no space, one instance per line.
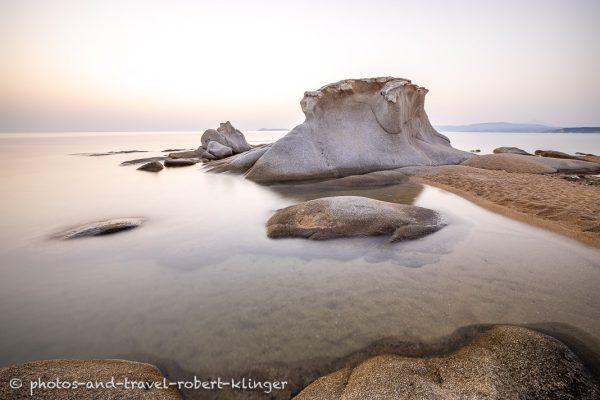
(188,65)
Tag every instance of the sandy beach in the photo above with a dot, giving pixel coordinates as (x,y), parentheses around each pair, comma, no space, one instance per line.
(546,201)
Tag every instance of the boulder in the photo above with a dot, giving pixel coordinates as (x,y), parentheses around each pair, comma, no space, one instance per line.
(239,162)
(154,166)
(357,126)
(226,135)
(218,150)
(347,216)
(181,162)
(506,362)
(102,371)
(100,228)
(555,154)
(511,150)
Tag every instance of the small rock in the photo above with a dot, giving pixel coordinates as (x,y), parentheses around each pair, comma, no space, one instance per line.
(346,216)
(100,228)
(511,150)
(181,162)
(555,154)
(143,160)
(219,150)
(475,151)
(198,153)
(154,166)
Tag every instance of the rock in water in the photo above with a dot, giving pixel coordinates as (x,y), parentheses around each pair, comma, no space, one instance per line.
(154,166)
(101,371)
(511,150)
(354,127)
(100,228)
(506,362)
(218,150)
(226,135)
(181,162)
(345,216)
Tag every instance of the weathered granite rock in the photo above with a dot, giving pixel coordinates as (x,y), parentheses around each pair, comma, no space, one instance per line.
(532,165)
(346,216)
(506,362)
(239,162)
(377,178)
(218,150)
(511,150)
(357,126)
(101,371)
(181,162)
(100,228)
(154,166)
(226,135)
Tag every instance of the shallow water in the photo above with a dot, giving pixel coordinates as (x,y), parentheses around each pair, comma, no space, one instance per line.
(200,284)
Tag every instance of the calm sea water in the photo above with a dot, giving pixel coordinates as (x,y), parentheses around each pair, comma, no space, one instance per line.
(202,287)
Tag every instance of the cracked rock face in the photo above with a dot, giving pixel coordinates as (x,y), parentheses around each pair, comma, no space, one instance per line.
(354,127)
(226,135)
(347,216)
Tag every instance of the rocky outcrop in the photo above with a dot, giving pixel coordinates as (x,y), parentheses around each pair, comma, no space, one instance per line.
(532,165)
(143,160)
(218,150)
(15,381)
(511,150)
(555,154)
(181,162)
(357,126)
(100,228)
(226,135)
(346,216)
(506,362)
(154,166)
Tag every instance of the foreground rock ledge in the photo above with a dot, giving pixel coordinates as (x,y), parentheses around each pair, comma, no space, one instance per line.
(84,371)
(507,362)
(354,126)
(346,216)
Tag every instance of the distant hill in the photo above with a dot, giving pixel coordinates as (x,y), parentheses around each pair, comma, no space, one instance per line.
(497,127)
(579,129)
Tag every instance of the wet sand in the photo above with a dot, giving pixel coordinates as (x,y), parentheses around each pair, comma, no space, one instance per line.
(546,201)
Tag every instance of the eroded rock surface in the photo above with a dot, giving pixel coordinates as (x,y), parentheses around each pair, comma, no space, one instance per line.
(346,216)
(357,126)
(181,162)
(506,362)
(533,165)
(219,150)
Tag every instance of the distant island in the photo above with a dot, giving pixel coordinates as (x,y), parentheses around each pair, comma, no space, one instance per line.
(514,128)
(272,129)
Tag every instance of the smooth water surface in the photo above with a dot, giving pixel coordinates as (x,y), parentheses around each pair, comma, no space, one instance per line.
(200,284)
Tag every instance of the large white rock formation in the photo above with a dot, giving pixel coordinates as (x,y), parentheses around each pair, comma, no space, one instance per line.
(353,127)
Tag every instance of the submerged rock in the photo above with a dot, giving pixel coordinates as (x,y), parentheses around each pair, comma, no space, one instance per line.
(154,166)
(357,126)
(226,135)
(101,371)
(506,362)
(218,150)
(181,162)
(100,228)
(511,150)
(110,153)
(346,216)
(198,153)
